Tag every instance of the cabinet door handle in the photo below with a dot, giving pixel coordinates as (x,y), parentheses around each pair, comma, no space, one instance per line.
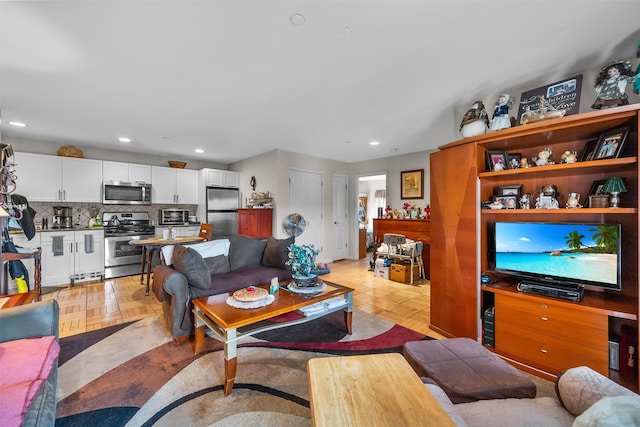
(544,306)
(542,350)
(544,319)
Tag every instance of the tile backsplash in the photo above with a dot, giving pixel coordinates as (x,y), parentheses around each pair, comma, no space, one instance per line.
(82,212)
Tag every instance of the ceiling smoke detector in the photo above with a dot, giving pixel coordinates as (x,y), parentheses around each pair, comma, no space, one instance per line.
(297,19)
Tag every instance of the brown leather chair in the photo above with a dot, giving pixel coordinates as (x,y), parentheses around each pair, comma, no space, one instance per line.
(206,231)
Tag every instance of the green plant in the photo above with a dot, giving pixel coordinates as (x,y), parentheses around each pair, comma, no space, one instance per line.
(302,259)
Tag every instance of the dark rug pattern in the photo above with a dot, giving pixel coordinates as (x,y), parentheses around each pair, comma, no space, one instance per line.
(166,384)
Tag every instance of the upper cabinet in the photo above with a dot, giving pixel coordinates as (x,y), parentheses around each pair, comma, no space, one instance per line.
(171,185)
(125,172)
(221,178)
(46,178)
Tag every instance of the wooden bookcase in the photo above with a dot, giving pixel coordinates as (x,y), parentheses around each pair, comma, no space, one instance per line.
(575,333)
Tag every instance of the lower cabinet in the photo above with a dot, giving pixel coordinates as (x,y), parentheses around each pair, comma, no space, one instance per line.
(549,336)
(69,256)
(255,223)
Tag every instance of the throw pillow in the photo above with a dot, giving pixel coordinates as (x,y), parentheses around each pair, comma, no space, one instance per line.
(245,251)
(218,264)
(276,253)
(192,265)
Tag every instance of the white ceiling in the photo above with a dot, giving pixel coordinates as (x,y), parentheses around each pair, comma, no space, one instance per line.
(236,78)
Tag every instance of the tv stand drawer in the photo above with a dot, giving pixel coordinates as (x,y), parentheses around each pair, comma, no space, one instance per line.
(552,318)
(549,353)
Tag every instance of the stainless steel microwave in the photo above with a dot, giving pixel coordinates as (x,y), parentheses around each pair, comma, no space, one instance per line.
(126,193)
(173,216)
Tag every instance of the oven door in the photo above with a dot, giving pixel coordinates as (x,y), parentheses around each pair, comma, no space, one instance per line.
(121,258)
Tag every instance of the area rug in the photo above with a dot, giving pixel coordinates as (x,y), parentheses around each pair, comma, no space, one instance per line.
(135,375)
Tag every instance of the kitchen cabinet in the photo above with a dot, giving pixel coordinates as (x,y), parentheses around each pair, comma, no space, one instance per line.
(255,223)
(179,231)
(125,172)
(45,178)
(221,178)
(174,186)
(78,258)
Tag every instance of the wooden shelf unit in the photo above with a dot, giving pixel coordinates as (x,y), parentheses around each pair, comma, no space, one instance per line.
(459,182)
(255,222)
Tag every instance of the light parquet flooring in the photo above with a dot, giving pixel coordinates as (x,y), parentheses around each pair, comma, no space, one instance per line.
(91,306)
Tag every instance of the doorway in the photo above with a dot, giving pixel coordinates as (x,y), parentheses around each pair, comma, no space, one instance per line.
(372,199)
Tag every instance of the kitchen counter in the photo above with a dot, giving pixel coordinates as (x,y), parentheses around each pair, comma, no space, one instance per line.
(48,230)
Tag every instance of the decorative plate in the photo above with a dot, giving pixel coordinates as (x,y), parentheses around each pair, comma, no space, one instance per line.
(252,304)
(306,290)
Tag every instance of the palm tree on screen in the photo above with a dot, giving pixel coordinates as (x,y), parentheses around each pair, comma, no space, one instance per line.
(574,240)
(606,237)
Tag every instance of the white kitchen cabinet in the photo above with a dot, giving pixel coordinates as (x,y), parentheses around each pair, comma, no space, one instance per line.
(45,178)
(125,172)
(221,178)
(19,239)
(76,261)
(174,186)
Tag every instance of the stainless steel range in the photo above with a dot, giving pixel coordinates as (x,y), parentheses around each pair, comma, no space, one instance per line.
(121,258)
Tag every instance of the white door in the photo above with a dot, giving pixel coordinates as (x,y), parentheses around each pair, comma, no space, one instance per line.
(305,198)
(163,188)
(340,217)
(81,180)
(187,186)
(39,177)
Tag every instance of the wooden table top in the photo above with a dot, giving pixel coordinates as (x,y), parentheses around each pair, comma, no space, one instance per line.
(15,300)
(216,308)
(370,390)
(159,241)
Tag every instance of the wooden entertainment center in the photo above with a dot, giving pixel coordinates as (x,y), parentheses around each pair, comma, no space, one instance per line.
(539,334)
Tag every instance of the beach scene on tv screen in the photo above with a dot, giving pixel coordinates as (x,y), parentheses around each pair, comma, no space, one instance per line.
(574,251)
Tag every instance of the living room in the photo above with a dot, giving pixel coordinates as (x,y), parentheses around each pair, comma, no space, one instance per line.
(406,143)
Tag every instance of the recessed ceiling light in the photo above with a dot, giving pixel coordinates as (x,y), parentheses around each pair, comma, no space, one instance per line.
(297,19)
(199,150)
(18,124)
(374,143)
(124,139)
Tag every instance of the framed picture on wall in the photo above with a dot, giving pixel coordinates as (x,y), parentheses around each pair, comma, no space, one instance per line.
(412,184)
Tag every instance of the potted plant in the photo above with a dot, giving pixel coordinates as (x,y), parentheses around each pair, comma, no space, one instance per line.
(302,259)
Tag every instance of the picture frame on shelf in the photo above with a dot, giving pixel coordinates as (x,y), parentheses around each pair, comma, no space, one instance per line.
(412,184)
(510,190)
(611,143)
(508,201)
(514,160)
(546,202)
(589,150)
(497,160)
(596,188)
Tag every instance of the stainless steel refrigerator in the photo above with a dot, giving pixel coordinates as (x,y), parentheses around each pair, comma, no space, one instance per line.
(222,210)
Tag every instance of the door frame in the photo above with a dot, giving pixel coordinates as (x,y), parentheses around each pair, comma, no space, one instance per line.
(355,194)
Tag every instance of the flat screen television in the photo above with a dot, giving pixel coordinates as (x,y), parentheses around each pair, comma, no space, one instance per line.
(561,254)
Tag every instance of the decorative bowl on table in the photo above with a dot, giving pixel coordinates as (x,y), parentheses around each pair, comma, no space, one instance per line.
(177,165)
(306,281)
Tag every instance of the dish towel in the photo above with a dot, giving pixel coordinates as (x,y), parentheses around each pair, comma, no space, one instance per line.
(58,245)
(88,243)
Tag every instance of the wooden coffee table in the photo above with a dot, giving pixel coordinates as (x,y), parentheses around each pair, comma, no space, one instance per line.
(370,390)
(225,320)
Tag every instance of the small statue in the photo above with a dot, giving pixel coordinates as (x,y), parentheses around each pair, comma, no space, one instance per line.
(611,84)
(525,201)
(573,201)
(569,157)
(543,158)
(501,118)
(475,121)
(524,163)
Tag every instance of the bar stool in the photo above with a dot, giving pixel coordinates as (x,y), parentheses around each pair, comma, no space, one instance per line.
(206,231)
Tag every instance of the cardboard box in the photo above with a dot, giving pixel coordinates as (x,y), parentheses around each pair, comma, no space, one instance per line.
(402,273)
(381,272)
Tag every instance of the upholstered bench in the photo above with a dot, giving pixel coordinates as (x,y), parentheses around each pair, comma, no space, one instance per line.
(467,371)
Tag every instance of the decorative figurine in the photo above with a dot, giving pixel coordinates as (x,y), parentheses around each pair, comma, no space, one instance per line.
(501,118)
(569,157)
(573,201)
(475,121)
(524,163)
(525,201)
(543,158)
(548,197)
(611,83)
(636,84)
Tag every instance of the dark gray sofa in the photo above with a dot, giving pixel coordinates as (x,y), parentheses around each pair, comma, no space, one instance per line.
(249,262)
(30,321)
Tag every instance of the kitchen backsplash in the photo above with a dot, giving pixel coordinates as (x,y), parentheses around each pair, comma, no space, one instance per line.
(82,212)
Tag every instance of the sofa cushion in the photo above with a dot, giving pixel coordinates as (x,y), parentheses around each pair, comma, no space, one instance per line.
(191,264)
(35,358)
(205,249)
(619,411)
(245,251)
(218,264)
(241,278)
(276,253)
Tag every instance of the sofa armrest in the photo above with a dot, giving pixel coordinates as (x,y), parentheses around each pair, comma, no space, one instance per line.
(30,320)
(579,388)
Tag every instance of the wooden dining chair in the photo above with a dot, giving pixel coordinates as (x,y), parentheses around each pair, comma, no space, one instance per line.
(206,231)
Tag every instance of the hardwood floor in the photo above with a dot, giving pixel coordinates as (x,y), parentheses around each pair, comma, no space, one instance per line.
(96,305)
